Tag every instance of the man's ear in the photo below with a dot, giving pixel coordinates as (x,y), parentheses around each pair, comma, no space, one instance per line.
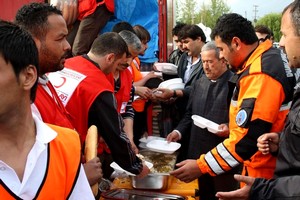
(110,58)
(236,43)
(28,77)
(37,42)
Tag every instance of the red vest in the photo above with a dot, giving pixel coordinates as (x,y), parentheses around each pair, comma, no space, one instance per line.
(123,95)
(52,112)
(62,168)
(88,7)
(85,93)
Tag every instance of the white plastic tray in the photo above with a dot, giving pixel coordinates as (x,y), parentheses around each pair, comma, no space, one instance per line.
(120,170)
(150,138)
(205,123)
(166,68)
(162,146)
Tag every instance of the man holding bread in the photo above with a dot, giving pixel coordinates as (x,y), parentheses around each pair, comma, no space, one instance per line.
(37,160)
(48,29)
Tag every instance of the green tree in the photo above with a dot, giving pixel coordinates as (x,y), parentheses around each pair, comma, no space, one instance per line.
(187,12)
(209,13)
(273,22)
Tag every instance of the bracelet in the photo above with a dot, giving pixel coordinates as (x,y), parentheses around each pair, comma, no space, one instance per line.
(174,94)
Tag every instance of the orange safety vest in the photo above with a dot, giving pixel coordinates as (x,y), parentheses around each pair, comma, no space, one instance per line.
(88,7)
(139,104)
(62,170)
(256,84)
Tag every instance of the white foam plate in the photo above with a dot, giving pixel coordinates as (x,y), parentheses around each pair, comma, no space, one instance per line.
(166,84)
(142,145)
(150,138)
(120,170)
(162,146)
(166,68)
(176,86)
(212,127)
(147,72)
(205,123)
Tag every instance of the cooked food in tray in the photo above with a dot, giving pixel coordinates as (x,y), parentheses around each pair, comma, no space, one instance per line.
(162,163)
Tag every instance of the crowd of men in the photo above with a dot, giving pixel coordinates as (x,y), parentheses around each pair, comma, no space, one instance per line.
(239,80)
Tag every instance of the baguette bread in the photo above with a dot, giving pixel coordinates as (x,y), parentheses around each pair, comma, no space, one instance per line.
(90,150)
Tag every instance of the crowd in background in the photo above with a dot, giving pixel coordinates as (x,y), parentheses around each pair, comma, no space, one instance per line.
(68,77)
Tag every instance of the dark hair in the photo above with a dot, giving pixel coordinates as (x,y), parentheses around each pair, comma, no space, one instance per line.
(109,42)
(142,33)
(234,25)
(264,30)
(191,31)
(18,48)
(295,15)
(177,28)
(121,26)
(153,83)
(34,18)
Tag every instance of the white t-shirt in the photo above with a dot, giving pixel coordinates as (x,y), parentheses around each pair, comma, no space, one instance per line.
(36,166)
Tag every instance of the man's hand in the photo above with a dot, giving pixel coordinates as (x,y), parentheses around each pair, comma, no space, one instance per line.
(224,130)
(93,170)
(143,92)
(144,172)
(163,94)
(268,143)
(188,171)
(173,137)
(240,194)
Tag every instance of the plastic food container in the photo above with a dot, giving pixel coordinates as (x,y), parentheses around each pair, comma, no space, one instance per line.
(205,123)
(170,82)
(166,68)
(163,146)
(159,177)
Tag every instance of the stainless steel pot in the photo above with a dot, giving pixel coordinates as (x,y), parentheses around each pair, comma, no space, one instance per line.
(159,178)
(151,182)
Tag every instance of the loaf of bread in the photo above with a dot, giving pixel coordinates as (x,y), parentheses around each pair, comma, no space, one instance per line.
(90,150)
(91,141)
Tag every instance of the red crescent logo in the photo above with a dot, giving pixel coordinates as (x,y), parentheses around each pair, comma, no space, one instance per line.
(63,82)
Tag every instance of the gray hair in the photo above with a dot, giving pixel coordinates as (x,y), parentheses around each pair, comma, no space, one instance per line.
(295,15)
(211,46)
(131,40)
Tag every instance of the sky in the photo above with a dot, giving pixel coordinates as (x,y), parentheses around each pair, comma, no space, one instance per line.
(246,7)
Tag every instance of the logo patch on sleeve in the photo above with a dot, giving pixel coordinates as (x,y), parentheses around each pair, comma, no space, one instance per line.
(241,117)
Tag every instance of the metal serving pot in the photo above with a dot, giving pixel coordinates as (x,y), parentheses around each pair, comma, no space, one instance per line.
(159,177)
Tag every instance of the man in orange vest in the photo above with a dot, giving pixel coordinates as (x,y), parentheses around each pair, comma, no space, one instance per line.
(53,47)
(262,94)
(285,183)
(38,161)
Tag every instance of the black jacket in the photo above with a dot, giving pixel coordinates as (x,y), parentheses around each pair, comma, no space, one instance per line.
(285,184)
